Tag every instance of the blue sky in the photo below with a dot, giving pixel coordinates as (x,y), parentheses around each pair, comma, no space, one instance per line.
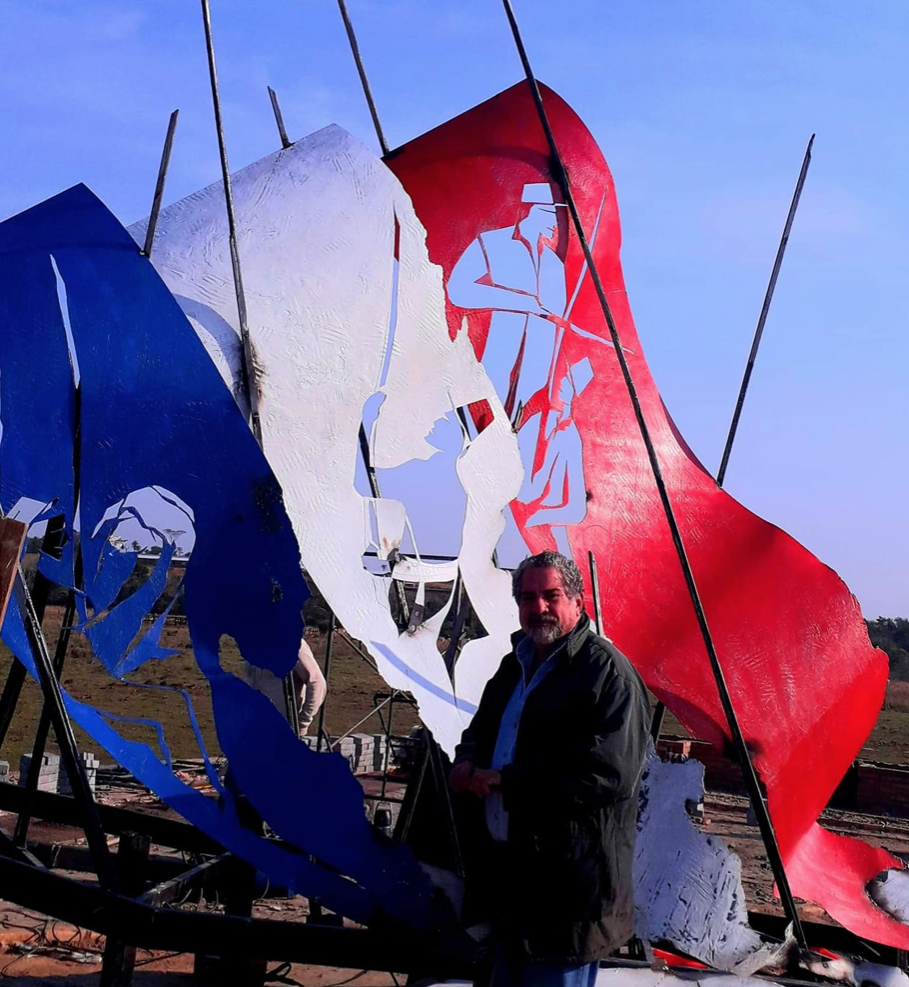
(703,110)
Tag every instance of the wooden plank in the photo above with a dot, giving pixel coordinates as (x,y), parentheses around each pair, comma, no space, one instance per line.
(12,538)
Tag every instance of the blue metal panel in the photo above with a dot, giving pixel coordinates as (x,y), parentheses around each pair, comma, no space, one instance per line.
(155,414)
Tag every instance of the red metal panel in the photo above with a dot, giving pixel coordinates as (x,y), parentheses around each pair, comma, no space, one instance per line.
(805,680)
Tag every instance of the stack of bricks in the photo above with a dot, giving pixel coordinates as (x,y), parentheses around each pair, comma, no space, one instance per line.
(91,772)
(48,775)
(365,752)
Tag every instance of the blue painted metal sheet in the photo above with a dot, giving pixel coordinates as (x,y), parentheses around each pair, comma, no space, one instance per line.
(153,414)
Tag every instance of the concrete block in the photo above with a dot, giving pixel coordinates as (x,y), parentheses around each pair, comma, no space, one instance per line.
(48,773)
(90,761)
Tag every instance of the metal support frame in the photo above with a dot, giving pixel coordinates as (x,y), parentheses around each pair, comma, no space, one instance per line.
(760,806)
(329,641)
(66,740)
(51,545)
(20,837)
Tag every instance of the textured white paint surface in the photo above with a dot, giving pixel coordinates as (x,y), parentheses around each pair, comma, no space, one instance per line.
(890,890)
(688,885)
(316,229)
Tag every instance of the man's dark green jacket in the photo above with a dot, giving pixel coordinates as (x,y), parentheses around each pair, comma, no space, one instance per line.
(559,890)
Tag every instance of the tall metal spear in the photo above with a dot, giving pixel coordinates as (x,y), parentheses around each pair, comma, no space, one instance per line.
(249,380)
(751,779)
(765,309)
(660,710)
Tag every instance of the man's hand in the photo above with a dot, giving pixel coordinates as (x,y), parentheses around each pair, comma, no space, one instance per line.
(483,782)
(460,779)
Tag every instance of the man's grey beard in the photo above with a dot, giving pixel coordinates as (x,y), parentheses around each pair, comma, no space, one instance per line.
(545,633)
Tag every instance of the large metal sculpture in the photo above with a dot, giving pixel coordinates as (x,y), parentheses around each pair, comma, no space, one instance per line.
(348,327)
(804,679)
(113,412)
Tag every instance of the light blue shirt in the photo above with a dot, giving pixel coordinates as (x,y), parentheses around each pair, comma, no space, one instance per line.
(496,816)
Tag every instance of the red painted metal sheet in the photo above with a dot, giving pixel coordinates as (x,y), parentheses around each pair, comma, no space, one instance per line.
(805,680)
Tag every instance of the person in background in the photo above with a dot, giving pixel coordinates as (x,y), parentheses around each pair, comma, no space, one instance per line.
(555,751)
(309,686)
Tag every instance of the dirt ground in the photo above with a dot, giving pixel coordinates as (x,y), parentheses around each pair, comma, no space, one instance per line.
(352,696)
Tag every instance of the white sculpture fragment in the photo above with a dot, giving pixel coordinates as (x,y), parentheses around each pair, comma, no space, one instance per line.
(688,885)
(344,307)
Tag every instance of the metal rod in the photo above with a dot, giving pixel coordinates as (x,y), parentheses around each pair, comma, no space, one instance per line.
(595,589)
(656,722)
(66,740)
(385,760)
(441,782)
(52,543)
(363,654)
(159,185)
(660,710)
(327,673)
(751,779)
(377,493)
(412,796)
(20,836)
(279,119)
(249,381)
(361,71)
(248,375)
(765,308)
(360,723)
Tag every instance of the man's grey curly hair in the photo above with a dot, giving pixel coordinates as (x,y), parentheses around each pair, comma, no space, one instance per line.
(572,582)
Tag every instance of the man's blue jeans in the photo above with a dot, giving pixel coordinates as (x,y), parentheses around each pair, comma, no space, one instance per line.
(509,971)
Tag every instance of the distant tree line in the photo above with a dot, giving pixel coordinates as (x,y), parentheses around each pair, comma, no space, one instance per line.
(891,635)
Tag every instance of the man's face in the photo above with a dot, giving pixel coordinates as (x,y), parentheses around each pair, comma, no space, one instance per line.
(545,609)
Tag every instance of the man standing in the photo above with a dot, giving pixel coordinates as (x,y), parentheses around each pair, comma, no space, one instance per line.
(556,750)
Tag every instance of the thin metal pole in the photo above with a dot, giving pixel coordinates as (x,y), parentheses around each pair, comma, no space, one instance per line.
(248,368)
(765,308)
(20,836)
(279,119)
(66,739)
(377,493)
(660,710)
(595,589)
(751,779)
(327,673)
(385,760)
(51,544)
(250,383)
(159,185)
(361,71)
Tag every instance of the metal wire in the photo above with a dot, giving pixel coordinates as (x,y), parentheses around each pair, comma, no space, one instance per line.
(760,807)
